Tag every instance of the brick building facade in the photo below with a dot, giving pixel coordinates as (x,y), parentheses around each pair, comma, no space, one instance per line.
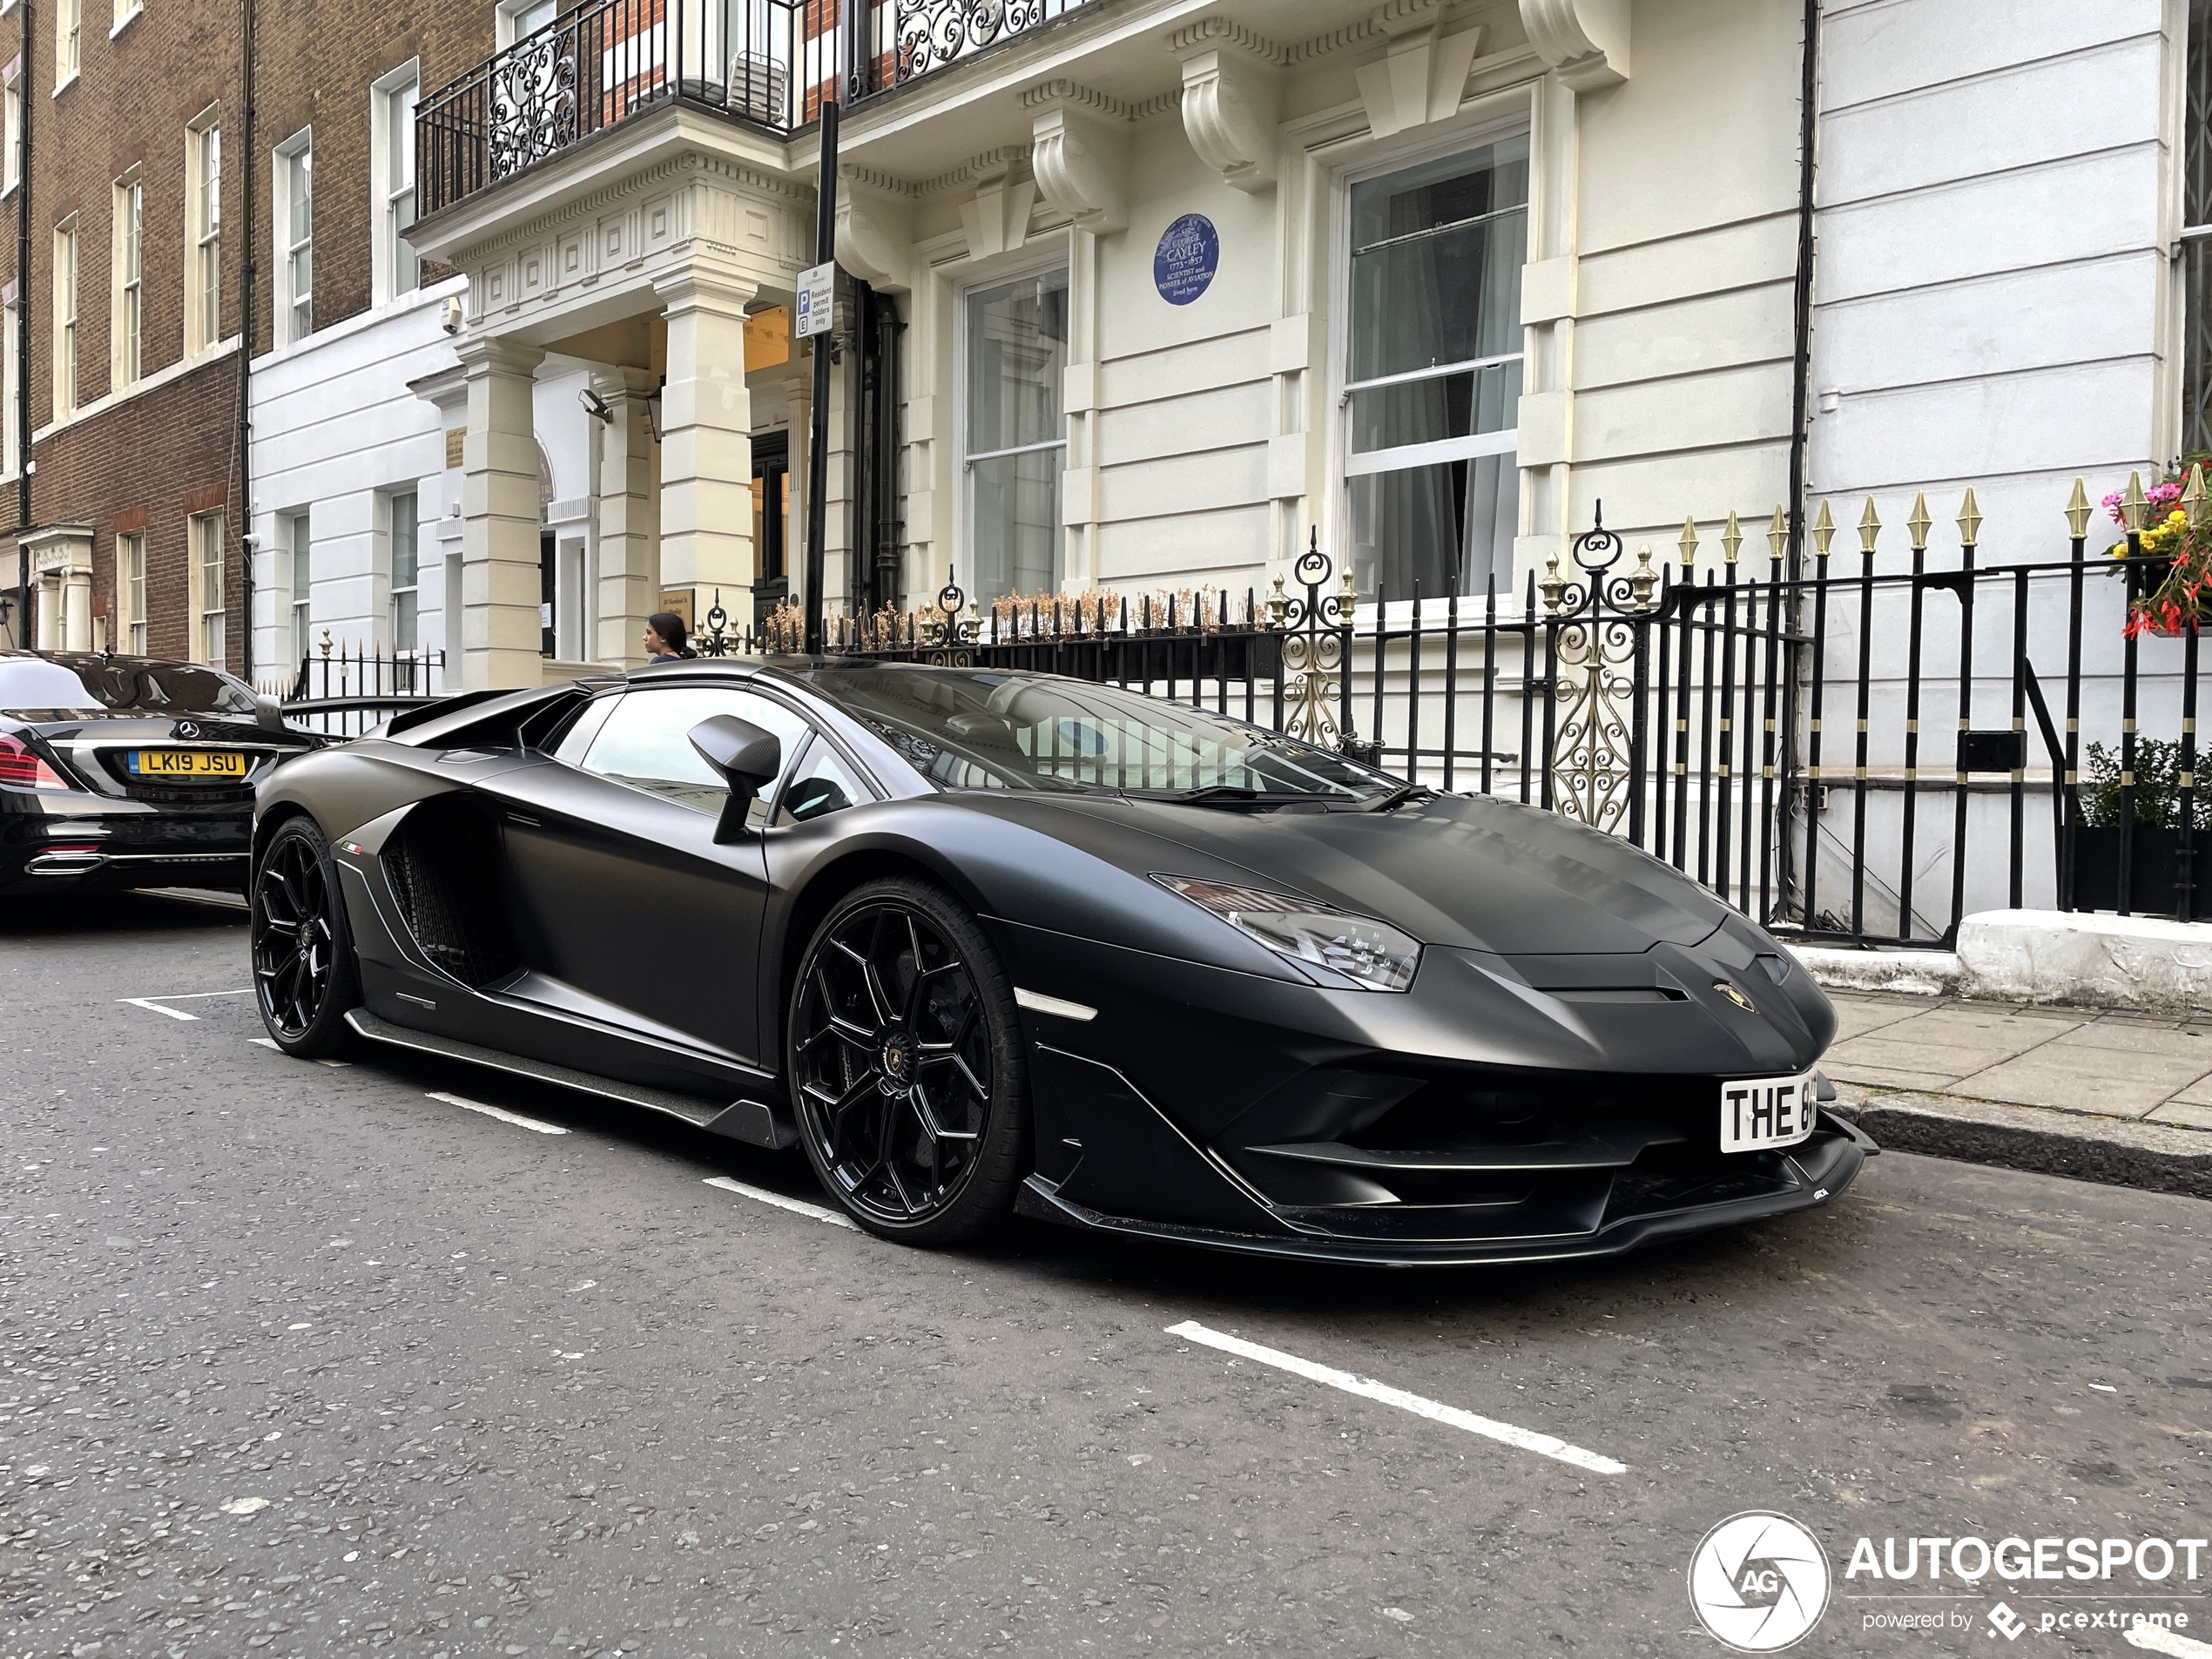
(132,539)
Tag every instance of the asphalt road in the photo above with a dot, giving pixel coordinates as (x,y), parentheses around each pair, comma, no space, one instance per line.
(303,1359)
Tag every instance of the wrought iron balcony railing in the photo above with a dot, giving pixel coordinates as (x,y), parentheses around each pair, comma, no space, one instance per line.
(771,63)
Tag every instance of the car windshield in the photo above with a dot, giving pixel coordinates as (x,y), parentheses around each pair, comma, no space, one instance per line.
(50,685)
(980,729)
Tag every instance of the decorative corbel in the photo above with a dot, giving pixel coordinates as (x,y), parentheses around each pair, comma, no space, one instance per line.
(1586,41)
(1423,76)
(1081,162)
(1228,114)
(874,234)
(997,220)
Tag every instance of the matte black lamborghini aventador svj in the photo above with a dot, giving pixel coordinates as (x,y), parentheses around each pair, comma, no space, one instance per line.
(984,941)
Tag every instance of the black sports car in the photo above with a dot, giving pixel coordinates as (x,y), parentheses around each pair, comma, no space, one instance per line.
(985,941)
(126,772)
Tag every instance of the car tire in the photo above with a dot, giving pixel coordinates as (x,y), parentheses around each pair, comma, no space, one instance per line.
(910,1088)
(305,977)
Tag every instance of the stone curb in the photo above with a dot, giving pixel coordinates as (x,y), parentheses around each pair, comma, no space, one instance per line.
(2113,1151)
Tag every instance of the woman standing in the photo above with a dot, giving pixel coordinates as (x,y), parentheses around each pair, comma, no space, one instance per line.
(665,638)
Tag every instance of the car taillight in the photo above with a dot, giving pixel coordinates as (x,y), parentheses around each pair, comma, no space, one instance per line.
(25,770)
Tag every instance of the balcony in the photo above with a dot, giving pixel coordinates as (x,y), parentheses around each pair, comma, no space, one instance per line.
(769,63)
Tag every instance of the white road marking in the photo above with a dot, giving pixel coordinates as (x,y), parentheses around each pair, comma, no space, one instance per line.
(501,1113)
(797,1206)
(1368,1388)
(156,1002)
(2153,1639)
(271,1043)
(149,1004)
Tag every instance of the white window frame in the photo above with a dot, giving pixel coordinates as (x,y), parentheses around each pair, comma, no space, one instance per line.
(11,141)
(1057,259)
(68,269)
(507,21)
(210,634)
(69,43)
(127,319)
(389,95)
(131,591)
(293,318)
(204,230)
(1344,465)
(126,10)
(299,560)
(403,510)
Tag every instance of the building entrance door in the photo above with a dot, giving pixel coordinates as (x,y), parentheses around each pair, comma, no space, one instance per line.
(548,589)
(771,522)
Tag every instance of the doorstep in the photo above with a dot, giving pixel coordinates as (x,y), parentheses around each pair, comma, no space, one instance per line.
(2062,958)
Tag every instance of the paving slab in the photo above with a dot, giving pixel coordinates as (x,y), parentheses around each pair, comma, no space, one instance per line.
(2185,1116)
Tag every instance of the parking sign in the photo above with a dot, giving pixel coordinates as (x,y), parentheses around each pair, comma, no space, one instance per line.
(817,301)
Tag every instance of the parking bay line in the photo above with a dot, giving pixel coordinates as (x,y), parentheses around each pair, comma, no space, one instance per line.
(1368,1388)
(271,1043)
(500,1112)
(156,1002)
(797,1206)
(2156,1639)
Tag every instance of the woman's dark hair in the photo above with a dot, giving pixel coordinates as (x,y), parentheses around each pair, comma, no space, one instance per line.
(670,627)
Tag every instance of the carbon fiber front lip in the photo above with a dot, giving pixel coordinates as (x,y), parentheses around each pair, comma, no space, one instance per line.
(1037,1199)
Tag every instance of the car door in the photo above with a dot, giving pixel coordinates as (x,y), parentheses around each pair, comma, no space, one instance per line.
(619,890)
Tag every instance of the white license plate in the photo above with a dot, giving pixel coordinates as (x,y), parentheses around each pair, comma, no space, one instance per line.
(1763,1112)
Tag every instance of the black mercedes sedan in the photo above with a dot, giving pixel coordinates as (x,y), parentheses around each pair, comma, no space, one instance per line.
(126,772)
(985,942)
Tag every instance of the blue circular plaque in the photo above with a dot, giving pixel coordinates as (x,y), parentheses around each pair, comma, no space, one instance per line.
(1189,253)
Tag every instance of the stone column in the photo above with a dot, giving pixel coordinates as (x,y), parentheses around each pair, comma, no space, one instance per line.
(629,519)
(77,605)
(798,392)
(706,441)
(500,634)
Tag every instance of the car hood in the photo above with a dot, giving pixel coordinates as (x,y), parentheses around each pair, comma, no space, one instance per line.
(1472,874)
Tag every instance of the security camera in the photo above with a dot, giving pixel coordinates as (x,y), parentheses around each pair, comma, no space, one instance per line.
(449,316)
(595,406)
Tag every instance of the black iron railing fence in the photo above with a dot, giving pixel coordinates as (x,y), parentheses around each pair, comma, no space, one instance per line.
(771,63)
(1859,754)
(342,691)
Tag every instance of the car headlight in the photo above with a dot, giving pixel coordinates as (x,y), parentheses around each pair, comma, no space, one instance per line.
(1372,955)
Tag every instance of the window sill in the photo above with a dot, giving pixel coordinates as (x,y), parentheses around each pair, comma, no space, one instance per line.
(136,12)
(65,86)
(138,388)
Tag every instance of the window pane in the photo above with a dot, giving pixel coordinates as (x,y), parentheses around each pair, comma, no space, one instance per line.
(1427,287)
(403,621)
(2196,347)
(403,542)
(1017,353)
(302,190)
(1446,527)
(646,741)
(827,785)
(1452,406)
(1016,513)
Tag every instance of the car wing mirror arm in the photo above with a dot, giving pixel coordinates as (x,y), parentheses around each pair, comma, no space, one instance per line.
(747,756)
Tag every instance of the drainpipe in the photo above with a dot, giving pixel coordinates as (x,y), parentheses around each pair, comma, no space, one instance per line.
(23,348)
(1800,398)
(247,288)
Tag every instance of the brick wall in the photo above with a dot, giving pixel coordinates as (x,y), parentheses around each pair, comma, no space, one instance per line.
(134,98)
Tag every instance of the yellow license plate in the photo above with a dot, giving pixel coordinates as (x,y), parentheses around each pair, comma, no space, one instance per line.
(207,764)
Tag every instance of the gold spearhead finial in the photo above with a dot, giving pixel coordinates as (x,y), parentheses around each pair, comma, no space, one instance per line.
(1869,526)
(1969,521)
(2193,496)
(1688,543)
(2078,511)
(1919,522)
(1731,538)
(1777,534)
(1824,529)
(2134,503)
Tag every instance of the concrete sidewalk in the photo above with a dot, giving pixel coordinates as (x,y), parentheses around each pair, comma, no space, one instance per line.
(2124,1098)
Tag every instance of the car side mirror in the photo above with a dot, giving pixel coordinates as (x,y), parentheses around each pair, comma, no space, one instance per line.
(748,758)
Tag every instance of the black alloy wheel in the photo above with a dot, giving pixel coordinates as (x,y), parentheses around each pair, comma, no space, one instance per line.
(905,1064)
(304,977)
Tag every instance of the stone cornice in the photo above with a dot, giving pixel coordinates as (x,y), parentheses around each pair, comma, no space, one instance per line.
(990,165)
(691,161)
(1221,31)
(1062,94)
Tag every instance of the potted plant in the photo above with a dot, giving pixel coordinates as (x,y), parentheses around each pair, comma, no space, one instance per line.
(2157,865)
